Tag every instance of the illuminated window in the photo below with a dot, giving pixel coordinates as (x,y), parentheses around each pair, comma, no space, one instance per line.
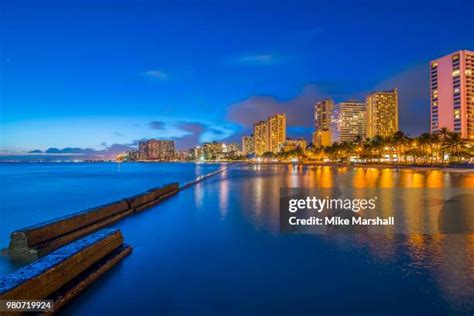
(455,57)
(468,72)
(456,73)
(434,65)
(456,90)
(457,114)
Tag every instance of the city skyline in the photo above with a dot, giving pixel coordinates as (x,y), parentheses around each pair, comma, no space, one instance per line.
(131,87)
(333,123)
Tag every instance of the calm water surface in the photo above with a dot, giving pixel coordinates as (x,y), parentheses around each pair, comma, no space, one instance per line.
(215,248)
(35,192)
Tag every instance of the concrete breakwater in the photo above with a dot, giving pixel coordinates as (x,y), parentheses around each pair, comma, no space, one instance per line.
(32,242)
(73,251)
(65,272)
(35,241)
(202,178)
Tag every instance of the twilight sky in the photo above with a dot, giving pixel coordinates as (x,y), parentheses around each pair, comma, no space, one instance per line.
(99,74)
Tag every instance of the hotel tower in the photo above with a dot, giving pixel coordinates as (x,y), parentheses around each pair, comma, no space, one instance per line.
(153,149)
(248,145)
(452,93)
(269,135)
(348,120)
(382,113)
(276,132)
(322,122)
(260,137)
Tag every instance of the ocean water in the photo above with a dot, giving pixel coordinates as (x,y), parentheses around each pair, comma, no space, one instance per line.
(215,249)
(34,192)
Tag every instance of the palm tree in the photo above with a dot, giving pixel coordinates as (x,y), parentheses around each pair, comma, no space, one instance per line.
(331,151)
(434,146)
(349,149)
(399,139)
(424,141)
(415,153)
(378,143)
(454,145)
(443,137)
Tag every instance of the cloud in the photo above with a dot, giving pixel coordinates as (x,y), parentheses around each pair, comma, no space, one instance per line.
(256,60)
(119,134)
(413,89)
(194,131)
(158,74)
(116,149)
(158,125)
(299,110)
(198,132)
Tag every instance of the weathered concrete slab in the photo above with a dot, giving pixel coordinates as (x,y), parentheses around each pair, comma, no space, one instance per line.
(159,195)
(80,283)
(32,242)
(164,189)
(41,232)
(64,273)
(140,199)
(48,274)
(151,197)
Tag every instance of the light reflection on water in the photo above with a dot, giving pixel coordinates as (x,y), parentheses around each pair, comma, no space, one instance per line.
(215,248)
(446,259)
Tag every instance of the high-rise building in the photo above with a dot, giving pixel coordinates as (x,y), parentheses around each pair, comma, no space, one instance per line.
(260,137)
(276,132)
(269,135)
(322,115)
(247,145)
(213,150)
(452,93)
(153,149)
(348,120)
(197,153)
(143,150)
(234,149)
(322,122)
(382,113)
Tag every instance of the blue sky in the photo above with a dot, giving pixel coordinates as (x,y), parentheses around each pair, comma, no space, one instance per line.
(97,73)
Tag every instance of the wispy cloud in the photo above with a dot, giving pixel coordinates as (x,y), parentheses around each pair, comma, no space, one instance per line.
(158,74)
(191,133)
(158,125)
(299,109)
(256,60)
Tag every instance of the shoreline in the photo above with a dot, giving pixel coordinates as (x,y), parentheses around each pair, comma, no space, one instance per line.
(377,166)
(324,164)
